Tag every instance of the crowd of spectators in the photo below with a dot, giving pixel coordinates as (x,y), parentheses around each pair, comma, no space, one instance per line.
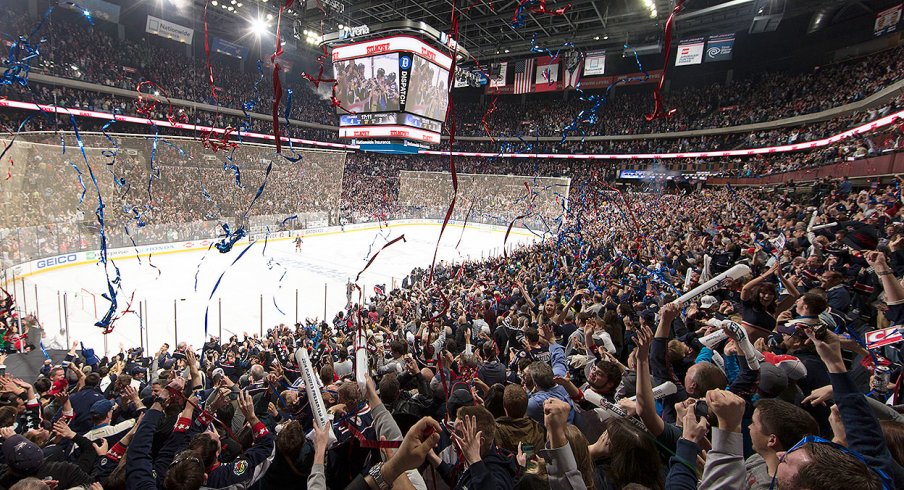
(765,97)
(568,364)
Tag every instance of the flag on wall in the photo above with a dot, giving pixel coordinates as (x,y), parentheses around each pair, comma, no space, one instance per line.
(524,72)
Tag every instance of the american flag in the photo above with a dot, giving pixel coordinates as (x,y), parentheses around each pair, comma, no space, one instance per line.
(524,74)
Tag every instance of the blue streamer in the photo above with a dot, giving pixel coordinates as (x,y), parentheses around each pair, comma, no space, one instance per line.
(288,111)
(217,285)
(107,321)
(590,115)
(290,218)
(81,182)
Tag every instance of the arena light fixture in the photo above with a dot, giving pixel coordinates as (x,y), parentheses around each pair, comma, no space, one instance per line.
(269,16)
(259,26)
(214,3)
(596,38)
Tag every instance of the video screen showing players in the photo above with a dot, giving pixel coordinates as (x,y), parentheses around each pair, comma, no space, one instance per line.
(428,94)
(368,84)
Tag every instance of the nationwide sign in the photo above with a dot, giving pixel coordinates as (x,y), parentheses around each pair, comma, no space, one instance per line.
(169,30)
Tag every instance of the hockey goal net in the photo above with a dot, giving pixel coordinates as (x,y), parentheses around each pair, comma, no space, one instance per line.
(86,302)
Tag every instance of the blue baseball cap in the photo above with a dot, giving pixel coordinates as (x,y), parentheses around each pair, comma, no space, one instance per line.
(101,407)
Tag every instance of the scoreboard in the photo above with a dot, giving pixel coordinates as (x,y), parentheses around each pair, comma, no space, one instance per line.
(391,88)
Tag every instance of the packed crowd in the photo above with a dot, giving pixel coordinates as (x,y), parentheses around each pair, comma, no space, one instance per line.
(764,97)
(569,364)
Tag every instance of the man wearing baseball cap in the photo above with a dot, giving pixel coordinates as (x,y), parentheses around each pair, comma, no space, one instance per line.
(25,459)
(101,417)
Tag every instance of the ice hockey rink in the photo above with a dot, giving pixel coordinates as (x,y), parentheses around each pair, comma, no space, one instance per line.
(253,293)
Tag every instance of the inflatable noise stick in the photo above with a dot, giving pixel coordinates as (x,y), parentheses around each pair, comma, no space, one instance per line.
(312,388)
(714,338)
(661,391)
(361,361)
(739,335)
(822,227)
(611,410)
(812,222)
(713,284)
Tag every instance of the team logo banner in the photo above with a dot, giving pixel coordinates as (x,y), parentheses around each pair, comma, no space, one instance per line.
(595,63)
(719,47)
(887,20)
(497,78)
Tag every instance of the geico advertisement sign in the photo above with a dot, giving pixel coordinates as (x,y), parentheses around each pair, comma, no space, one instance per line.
(60,259)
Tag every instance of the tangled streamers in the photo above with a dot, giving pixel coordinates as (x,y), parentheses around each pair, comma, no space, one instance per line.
(657,95)
(206,140)
(491,109)
(590,116)
(249,105)
(277,83)
(112,284)
(535,7)
(230,237)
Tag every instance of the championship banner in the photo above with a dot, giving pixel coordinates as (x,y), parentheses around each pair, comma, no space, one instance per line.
(887,20)
(169,30)
(498,79)
(229,48)
(719,47)
(572,64)
(547,74)
(690,52)
(595,63)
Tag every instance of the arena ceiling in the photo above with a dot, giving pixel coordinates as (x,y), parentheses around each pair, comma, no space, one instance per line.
(485,26)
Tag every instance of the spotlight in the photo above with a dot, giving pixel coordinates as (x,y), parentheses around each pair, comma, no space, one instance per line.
(230,8)
(214,3)
(340,26)
(506,51)
(596,38)
(234,2)
(269,16)
(606,37)
(259,26)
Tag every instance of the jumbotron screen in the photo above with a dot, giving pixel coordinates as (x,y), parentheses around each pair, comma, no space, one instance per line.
(369,84)
(393,74)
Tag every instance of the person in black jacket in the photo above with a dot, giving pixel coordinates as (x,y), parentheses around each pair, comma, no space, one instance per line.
(866,463)
(486,466)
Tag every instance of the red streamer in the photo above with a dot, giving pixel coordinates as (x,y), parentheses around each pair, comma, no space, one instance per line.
(450,111)
(371,261)
(486,114)
(223,141)
(657,95)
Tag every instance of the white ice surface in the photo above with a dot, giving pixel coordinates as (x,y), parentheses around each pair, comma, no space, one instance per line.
(248,288)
